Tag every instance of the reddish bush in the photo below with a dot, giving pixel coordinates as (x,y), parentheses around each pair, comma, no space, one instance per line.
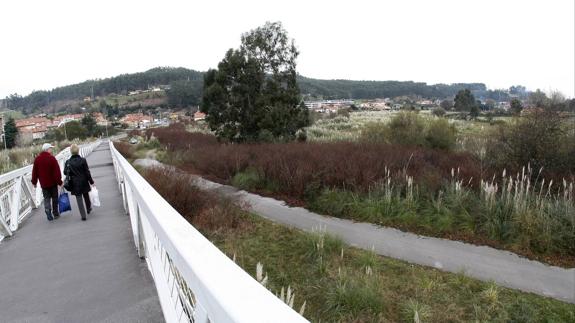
(178,191)
(292,167)
(204,210)
(125,149)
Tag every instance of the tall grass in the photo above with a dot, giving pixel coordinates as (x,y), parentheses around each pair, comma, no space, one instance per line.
(541,214)
(17,157)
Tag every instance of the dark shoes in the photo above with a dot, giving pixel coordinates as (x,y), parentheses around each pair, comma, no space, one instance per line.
(56,216)
(89,210)
(83,219)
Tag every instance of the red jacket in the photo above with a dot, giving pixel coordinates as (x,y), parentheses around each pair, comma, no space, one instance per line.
(47,170)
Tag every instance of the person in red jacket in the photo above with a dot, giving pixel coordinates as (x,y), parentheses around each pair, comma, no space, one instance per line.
(47,171)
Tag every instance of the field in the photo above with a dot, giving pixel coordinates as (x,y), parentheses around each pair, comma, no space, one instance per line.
(338,283)
(450,194)
(348,126)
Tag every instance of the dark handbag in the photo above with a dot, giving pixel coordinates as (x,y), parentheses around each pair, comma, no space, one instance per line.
(68,183)
(67,180)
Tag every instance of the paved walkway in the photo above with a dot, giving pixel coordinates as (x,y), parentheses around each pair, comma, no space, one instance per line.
(485,263)
(74,271)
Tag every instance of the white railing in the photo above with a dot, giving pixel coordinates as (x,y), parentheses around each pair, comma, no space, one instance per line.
(18,196)
(195,281)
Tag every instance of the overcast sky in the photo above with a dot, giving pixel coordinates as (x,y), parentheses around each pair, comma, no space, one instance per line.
(45,44)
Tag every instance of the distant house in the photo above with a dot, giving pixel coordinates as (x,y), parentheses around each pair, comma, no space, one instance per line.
(137,120)
(32,133)
(100,119)
(39,132)
(199,116)
(61,120)
(503,105)
(36,125)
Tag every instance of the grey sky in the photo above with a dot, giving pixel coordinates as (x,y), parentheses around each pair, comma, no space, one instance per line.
(501,43)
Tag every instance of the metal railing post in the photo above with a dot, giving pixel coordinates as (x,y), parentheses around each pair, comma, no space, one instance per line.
(140,245)
(15,204)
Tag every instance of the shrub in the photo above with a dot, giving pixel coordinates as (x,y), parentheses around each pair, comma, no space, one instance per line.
(540,139)
(441,135)
(178,191)
(406,128)
(409,129)
(438,112)
(125,149)
(249,179)
(205,210)
(374,132)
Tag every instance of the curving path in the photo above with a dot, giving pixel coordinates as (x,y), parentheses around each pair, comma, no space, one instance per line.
(484,263)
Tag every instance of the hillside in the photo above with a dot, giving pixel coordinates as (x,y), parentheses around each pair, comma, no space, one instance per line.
(67,97)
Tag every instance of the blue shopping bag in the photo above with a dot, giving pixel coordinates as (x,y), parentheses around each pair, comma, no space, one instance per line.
(64,202)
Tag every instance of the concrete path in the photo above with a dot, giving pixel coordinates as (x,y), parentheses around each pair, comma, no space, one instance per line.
(484,263)
(68,270)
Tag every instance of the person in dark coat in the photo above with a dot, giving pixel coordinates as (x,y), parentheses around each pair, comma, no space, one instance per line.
(77,170)
(47,171)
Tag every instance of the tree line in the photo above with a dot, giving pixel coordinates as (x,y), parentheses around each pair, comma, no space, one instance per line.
(186,88)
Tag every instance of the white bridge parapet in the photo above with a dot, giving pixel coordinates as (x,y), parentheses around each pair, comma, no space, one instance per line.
(195,281)
(18,196)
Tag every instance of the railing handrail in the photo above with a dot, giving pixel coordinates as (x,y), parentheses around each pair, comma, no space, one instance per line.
(15,173)
(220,288)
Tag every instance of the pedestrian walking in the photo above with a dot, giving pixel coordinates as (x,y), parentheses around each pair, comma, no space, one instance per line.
(78,173)
(47,171)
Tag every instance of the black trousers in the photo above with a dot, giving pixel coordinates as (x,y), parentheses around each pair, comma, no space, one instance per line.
(51,202)
(86,197)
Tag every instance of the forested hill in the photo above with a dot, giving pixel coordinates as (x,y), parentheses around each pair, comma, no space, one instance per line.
(120,84)
(314,88)
(339,89)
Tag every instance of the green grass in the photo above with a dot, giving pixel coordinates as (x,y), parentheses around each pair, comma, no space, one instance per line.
(429,216)
(544,233)
(337,286)
(247,180)
(251,180)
